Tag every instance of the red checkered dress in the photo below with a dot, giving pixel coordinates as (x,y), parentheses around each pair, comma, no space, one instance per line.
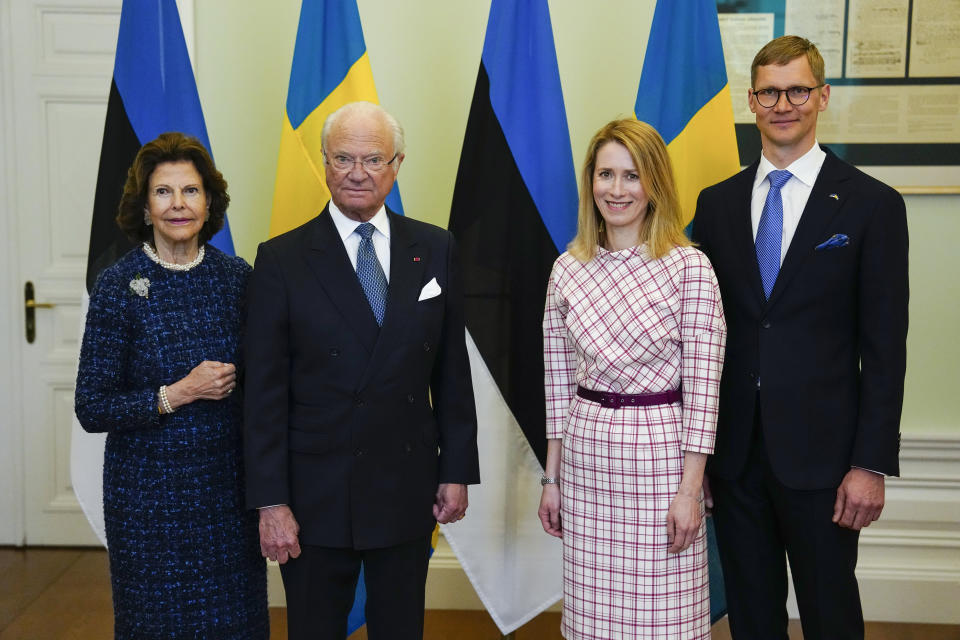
(628,324)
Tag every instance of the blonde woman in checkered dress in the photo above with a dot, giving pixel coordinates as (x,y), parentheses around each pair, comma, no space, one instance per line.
(633,347)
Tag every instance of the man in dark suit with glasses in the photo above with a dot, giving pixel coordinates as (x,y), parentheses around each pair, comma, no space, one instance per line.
(811,257)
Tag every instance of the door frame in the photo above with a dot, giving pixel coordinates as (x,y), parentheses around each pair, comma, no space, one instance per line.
(11,313)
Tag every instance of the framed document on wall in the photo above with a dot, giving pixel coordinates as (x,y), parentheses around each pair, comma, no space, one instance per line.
(894,69)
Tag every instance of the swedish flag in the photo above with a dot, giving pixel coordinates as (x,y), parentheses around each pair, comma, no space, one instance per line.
(684,95)
(330,68)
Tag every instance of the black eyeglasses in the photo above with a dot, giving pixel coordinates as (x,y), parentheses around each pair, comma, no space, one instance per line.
(795,95)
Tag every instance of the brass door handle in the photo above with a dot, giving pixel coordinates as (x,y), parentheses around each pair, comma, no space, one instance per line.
(29,304)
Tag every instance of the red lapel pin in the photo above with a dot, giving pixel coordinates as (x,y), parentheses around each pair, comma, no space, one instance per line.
(416,258)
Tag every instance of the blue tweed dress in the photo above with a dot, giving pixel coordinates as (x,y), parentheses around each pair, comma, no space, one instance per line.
(184,553)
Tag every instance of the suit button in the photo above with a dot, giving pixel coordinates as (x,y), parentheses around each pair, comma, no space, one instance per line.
(765,324)
(358,401)
(358,452)
(410,398)
(407,447)
(426,346)
(334,352)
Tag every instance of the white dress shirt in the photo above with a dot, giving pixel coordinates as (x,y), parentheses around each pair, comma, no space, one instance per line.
(351,239)
(795,192)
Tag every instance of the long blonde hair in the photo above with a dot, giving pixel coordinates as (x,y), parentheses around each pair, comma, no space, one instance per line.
(662,227)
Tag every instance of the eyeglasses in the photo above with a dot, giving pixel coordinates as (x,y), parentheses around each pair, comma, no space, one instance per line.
(371,164)
(795,95)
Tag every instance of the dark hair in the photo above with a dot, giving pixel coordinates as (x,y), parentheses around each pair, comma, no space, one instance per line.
(170,147)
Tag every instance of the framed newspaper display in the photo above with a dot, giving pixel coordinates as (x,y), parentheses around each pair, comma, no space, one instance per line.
(894,69)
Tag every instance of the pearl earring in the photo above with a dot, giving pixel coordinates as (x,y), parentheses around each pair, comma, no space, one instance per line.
(146,218)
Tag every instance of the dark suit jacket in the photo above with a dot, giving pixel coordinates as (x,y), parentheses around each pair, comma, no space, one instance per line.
(339,422)
(829,346)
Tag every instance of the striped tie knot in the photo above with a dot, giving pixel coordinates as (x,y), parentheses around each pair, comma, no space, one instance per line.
(777,179)
(366,230)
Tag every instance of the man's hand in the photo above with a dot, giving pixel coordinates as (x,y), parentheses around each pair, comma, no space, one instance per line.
(859,499)
(451,503)
(278,534)
(549,510)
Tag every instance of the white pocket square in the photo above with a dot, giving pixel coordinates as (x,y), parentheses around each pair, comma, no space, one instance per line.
(430,290)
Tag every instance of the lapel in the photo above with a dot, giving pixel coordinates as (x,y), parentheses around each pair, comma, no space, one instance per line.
(817,214)
(742,227)
(328,260)
(406,277)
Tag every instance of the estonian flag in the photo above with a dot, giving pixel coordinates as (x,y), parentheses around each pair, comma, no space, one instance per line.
(330,68)
(684,95)
(514,210)
(153,91)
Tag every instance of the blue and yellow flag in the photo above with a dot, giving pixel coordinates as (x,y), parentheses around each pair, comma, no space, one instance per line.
(330,68)
(684,95)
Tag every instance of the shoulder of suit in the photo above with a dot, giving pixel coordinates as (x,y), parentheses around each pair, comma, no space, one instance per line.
(288,239)
(744,174)
(865,182)
(419,228)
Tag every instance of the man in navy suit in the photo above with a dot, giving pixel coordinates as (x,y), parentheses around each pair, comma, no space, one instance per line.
(360,425)
(811,257)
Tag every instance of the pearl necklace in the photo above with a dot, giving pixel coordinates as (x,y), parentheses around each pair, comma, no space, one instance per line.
(173,266)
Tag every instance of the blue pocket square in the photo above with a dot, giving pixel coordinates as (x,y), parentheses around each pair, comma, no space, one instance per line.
(834,242)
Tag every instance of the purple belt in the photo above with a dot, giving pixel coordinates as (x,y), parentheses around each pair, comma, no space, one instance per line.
(617,400)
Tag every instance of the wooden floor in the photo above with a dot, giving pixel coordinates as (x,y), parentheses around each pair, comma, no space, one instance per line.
(53,594)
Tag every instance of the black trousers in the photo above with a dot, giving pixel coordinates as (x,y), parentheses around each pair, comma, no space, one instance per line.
(757,518)
(320,587)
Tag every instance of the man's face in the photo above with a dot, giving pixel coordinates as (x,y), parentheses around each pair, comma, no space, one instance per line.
(785,127)
(358,192)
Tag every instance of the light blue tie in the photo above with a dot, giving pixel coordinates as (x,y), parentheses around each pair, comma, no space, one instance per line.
(370,273)
(770,231)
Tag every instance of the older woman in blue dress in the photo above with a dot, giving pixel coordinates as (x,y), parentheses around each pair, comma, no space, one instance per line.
(158,368)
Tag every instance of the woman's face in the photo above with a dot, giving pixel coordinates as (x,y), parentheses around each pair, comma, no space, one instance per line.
(617,190)
(176,203)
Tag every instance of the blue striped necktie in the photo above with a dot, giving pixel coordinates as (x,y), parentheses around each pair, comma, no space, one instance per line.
(770,231)
(370,273)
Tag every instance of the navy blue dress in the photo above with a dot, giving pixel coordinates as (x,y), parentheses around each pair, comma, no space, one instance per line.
(184,553)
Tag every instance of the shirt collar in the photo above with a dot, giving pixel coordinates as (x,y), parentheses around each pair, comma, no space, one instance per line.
(345,226)
(805,168)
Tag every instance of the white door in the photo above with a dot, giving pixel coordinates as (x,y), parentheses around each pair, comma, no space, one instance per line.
(57,61)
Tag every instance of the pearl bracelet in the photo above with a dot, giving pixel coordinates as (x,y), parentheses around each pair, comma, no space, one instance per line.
(164,402)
